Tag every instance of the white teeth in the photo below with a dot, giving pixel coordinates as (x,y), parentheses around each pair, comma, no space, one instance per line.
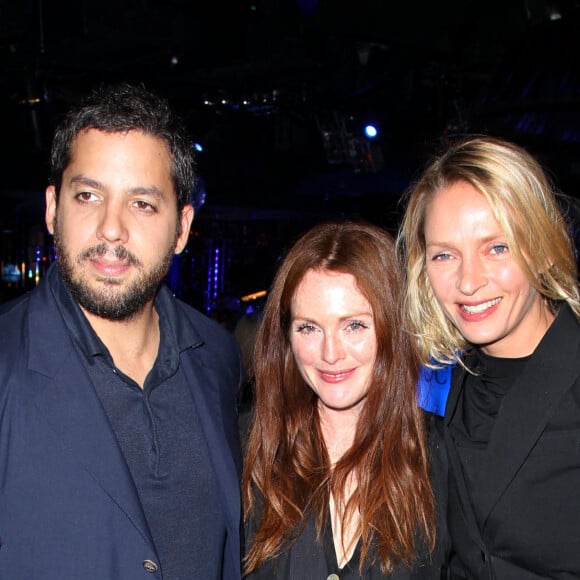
(479,307)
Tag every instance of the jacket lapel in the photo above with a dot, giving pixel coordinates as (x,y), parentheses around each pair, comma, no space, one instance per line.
(63,392)
(462,495)
(206,395)
(527,407)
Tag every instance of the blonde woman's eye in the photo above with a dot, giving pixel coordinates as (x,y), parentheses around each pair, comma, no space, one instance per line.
(499,249)
(441,257)
(357,325)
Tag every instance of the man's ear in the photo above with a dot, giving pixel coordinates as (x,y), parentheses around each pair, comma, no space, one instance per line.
(50,213)
(185,220)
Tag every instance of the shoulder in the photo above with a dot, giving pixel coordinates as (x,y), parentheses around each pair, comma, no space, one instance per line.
(31,314)
(13,316)
(277,569)
(213,334)
(14,308)
(438,459)
(189,324)
(211,345)
(439,474)
(14,355)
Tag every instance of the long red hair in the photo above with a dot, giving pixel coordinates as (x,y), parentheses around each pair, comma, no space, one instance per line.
(287,473)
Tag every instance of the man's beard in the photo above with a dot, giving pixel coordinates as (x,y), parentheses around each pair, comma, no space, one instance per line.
(109,300)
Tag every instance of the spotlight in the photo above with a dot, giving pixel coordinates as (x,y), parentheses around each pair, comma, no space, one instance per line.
(371,131)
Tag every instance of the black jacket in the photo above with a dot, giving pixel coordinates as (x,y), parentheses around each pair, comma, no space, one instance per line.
(526,524)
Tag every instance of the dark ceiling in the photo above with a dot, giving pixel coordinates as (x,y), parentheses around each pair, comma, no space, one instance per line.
(277,91)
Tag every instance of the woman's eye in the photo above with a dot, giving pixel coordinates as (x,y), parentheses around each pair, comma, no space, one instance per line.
(441,257)
(305,328)
(356,325)
(499,249)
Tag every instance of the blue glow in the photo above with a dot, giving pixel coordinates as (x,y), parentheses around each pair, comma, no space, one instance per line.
(307,7)
(198,147)
(216,272)
(11,273)
(371,131)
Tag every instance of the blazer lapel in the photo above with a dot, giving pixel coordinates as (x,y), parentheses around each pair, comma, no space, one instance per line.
(457,379)
(64,394)
(527,407)
(206,395)
(463,496)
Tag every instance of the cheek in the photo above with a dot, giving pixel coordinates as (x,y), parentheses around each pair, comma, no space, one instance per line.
(68,231)
(511,277)
(304,352)
(365,350)
(527,293)
(441,284)
(443,289)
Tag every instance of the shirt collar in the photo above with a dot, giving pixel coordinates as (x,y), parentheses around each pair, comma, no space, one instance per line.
(176,332)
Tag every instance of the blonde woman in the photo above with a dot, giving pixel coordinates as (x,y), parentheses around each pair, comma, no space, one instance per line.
(492,286)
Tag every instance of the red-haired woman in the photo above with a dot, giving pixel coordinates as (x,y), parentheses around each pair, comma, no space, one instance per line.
(337,473)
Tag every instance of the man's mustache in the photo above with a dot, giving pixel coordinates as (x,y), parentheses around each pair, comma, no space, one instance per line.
(119,252)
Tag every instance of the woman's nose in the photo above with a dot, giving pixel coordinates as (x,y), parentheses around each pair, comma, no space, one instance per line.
(472,276)
(333,349)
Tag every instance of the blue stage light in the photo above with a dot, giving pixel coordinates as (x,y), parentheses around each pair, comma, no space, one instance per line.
(371,131)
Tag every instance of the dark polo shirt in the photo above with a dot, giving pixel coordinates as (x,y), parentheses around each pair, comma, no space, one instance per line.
(160,435)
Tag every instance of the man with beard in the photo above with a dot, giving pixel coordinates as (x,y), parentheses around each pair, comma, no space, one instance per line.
(119,451)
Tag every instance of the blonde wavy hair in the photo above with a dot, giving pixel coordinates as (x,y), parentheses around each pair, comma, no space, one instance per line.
(525,206)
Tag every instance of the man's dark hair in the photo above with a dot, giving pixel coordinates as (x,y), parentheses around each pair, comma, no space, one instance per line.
(121,108)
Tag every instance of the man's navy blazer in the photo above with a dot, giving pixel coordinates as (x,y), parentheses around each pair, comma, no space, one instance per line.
(69,509)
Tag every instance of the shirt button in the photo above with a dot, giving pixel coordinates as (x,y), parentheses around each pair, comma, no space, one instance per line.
(333,577)
(150,566)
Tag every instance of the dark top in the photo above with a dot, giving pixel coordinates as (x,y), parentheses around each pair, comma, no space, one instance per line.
(514,512)
(159,433)
(311,559)
(478,407)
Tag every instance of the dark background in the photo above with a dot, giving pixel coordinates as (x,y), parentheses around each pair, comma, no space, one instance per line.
(277,92)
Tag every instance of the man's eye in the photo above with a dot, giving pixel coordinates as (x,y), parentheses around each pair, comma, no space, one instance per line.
(145,205)
(85,196)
